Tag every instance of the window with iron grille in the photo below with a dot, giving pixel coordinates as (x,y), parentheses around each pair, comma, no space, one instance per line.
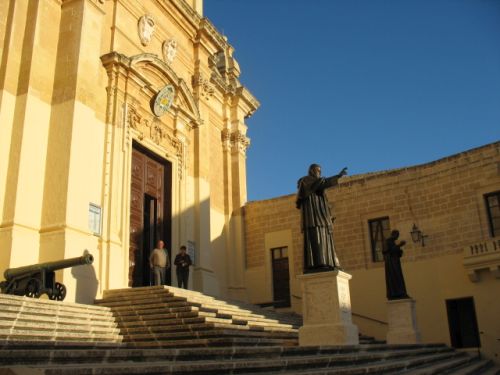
(380,230)
(493,208)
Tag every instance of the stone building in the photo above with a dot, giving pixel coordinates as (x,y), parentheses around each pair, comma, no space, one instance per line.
(121,122)
(453,272)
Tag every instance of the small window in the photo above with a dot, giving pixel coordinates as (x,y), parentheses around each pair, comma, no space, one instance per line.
(279,252)
(380,230)
(95,219)
(493,207)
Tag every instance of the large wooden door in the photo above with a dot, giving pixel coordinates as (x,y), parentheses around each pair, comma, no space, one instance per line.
(464,332)
(150,213)
(281,277)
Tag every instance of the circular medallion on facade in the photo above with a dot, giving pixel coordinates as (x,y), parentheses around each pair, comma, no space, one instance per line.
(163,100)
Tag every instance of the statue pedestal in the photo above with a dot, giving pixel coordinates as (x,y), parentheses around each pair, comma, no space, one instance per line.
(402,320)
(326,310)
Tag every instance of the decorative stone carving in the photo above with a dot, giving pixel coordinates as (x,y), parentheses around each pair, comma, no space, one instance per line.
(146,28)
(236,140)
(163,100)
(326,307)
(213,60)
(480,256)
(134,121)
(206,90)
(209,30)
(187,11)
(240,141)
(169,49)
(225,136)
(157,131)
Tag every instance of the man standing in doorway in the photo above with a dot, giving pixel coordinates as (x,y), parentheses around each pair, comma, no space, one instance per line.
(159,262)
(182,261)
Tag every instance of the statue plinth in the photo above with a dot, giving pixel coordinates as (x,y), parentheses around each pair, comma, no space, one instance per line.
(402,320)
(326,310)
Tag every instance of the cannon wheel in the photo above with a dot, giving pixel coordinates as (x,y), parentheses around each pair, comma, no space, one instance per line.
(33,288)
(59,292)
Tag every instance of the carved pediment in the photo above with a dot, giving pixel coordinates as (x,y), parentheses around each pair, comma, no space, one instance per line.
(150,74)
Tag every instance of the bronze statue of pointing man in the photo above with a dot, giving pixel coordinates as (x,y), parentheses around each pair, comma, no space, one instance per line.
(317,224)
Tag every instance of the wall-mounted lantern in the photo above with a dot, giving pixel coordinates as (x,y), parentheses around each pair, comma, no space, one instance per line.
(417,235)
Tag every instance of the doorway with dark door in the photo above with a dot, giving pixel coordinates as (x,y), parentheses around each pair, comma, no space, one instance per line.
(150,213)
(462,323)
(281,277)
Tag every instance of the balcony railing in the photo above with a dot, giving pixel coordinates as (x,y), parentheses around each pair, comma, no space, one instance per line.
(480,256)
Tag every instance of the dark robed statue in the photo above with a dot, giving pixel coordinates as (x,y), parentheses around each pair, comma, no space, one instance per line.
(317,226)
(394,281)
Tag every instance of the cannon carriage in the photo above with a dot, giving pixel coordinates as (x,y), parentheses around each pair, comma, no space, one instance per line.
(38,279)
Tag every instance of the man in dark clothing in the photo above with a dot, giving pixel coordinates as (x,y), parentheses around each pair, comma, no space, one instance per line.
(317,225)
(182,261)
(394,281)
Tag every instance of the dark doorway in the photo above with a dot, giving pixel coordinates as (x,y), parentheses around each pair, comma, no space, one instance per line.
(463,323)
(151,234)
(150,212)
(281,277)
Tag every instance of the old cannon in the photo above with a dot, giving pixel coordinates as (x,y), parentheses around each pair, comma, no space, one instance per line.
(35,280)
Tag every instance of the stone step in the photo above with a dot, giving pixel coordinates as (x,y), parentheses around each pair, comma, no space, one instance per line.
(51,311)
(21,326)
(372,365)
(213,342)
(388,366)
(207,325)
(137,297)
(495,370)
(127,326)
(185,304)
(164,296)
(125,301)
(133,296)
(17,317)
(160,309)
(122,303)
(49,305)
(160,315)
(459,362)
(30,335)
(342,355)
(213,332)
(57,345)
(136,323)
(480,366)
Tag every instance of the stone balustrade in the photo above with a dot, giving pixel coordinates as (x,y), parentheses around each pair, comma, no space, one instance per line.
(480,256)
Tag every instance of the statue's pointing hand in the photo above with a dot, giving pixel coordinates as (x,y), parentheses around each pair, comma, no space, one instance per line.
(343,172)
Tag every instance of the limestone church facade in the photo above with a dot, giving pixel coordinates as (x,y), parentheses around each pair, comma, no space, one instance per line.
(122,122)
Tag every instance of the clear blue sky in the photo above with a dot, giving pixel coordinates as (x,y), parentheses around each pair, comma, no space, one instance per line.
(368,84)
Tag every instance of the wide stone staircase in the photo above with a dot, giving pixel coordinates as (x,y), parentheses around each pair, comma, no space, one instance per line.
(166,330)
(173,317)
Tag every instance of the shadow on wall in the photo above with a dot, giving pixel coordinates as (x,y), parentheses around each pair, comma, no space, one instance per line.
(86,283)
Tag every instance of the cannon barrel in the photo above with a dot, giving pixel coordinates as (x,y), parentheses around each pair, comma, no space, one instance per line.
(86,258)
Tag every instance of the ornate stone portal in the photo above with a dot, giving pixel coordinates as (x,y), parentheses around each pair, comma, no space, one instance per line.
(326,310)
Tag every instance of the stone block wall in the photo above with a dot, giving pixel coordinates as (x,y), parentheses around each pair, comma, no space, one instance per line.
(444,198)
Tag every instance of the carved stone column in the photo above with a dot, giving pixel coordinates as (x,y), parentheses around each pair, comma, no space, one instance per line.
(326,310)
